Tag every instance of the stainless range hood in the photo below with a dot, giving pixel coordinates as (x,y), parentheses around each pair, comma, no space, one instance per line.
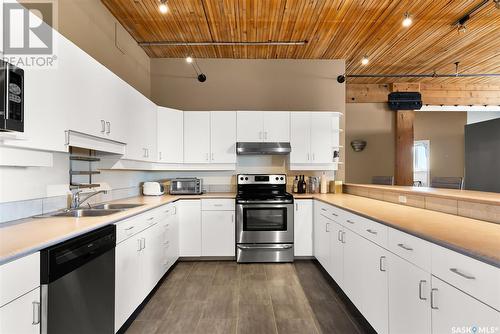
(249,148)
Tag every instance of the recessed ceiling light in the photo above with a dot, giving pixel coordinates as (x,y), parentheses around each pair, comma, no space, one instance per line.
(365,60)
(407,21)
(163,7)
(189,60)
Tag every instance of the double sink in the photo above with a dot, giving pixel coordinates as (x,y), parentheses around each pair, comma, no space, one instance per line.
(95,211)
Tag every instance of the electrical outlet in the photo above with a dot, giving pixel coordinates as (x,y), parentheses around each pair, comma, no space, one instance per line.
(402,199)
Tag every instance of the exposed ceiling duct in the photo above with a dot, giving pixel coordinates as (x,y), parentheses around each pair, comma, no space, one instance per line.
(268,43)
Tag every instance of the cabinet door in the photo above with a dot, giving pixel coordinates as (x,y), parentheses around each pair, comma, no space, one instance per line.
(170,135)
(173,235)
(353,267)
(223,137)
(321,137)
(22,315)
(300,137)
(452,308)
(128,286)
(196,136)
(375,287)
(250,126)
(303,228)
(409,304)
(153,254)
(190,228)
(276,126)
(336,268)
(322,240)
(218,233)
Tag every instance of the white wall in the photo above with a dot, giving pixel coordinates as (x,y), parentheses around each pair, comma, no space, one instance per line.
(481,116)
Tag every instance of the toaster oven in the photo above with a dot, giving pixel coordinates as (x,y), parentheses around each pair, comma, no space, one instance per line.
(186,186)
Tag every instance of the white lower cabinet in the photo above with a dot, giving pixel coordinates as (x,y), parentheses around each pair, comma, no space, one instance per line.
(189,228)
(454,311)
(336,268)
(321,238)
(409,297)
(303,227)
(218,233)
(354,279)
(22,315)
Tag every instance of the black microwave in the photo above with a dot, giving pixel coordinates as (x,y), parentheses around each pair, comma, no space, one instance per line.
(11,97)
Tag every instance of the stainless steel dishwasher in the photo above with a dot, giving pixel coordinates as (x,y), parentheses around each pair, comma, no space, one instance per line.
(78,284)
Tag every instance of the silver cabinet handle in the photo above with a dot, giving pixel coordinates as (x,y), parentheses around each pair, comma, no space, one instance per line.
(371,231)
(420,289)
(151,218)
(36,313)
(339,236)
(265,134)
(103,126)
(433,300)
(314,157)
(232,218)
(307,156)
(461,273)
(129,228)
(405,247)
(343,237)
(264,247)
(143,243)
(218,205)
(334,214)
(381,263)
(144,153)
(108,125)
(213,157)
(139,245)
(323,209)
(159,155)
(147,153)
(350,221)
(206,156)
(327,227)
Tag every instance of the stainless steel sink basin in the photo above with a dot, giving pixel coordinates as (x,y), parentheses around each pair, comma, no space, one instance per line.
(85,213)
(116,206)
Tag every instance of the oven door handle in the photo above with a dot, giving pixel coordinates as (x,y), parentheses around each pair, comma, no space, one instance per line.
(264,247)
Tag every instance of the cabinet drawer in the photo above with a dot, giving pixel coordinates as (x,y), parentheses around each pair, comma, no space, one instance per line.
(353,222)
(128,227)
(19,277)
(375,232)
(410,248)
(217,204)
(478,279)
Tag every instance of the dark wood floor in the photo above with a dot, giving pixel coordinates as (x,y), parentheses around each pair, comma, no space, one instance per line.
(225,297)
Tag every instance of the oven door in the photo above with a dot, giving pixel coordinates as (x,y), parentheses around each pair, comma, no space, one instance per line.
(264,223)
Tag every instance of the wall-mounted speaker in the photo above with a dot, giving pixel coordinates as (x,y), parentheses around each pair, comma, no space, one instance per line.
(405,101)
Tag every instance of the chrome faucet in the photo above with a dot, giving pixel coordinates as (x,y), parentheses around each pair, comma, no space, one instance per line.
(76,201)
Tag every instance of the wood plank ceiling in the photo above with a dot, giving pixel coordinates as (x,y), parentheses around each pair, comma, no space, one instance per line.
(334,29)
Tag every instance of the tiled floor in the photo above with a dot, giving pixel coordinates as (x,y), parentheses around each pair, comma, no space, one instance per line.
(225,297)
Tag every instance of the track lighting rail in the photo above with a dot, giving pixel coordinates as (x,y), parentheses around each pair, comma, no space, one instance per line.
(269,43)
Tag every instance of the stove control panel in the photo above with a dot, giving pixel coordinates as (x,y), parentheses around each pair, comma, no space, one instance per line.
(261,178)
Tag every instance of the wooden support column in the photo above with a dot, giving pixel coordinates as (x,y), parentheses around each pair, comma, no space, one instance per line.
(403,171)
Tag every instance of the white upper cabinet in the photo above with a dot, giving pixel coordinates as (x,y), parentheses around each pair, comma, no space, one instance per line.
(314,136)
(210,137)
(223,137)
(263,126)
(300,137)
(170,135)
(250,126)
(197,136)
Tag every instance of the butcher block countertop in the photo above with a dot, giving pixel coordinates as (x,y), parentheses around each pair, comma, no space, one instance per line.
(456,194)
(475,238)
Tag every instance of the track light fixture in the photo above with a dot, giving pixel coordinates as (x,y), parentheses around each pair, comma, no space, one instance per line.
(199,73)
(407,21)
(163,6)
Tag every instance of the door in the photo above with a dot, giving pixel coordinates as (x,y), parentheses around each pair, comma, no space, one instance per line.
(321,138)
(170,135)
(303,228)
(218,233)
(375,287)
(300,137)
(322,227)
(190,228)
(409,304)
(152,256)
(22,315)
(454,309)
(173,236)
(276,126)
(250,126)
(353,279)
(336,264)
(223,137)
(264,223)
(197,137)
(127,279)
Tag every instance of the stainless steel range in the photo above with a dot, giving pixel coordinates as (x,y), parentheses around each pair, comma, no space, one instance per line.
(264,219)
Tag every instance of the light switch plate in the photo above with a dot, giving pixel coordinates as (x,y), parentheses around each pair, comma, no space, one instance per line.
(402,199)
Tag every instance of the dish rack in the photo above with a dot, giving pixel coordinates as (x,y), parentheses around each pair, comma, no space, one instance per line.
(90,158)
